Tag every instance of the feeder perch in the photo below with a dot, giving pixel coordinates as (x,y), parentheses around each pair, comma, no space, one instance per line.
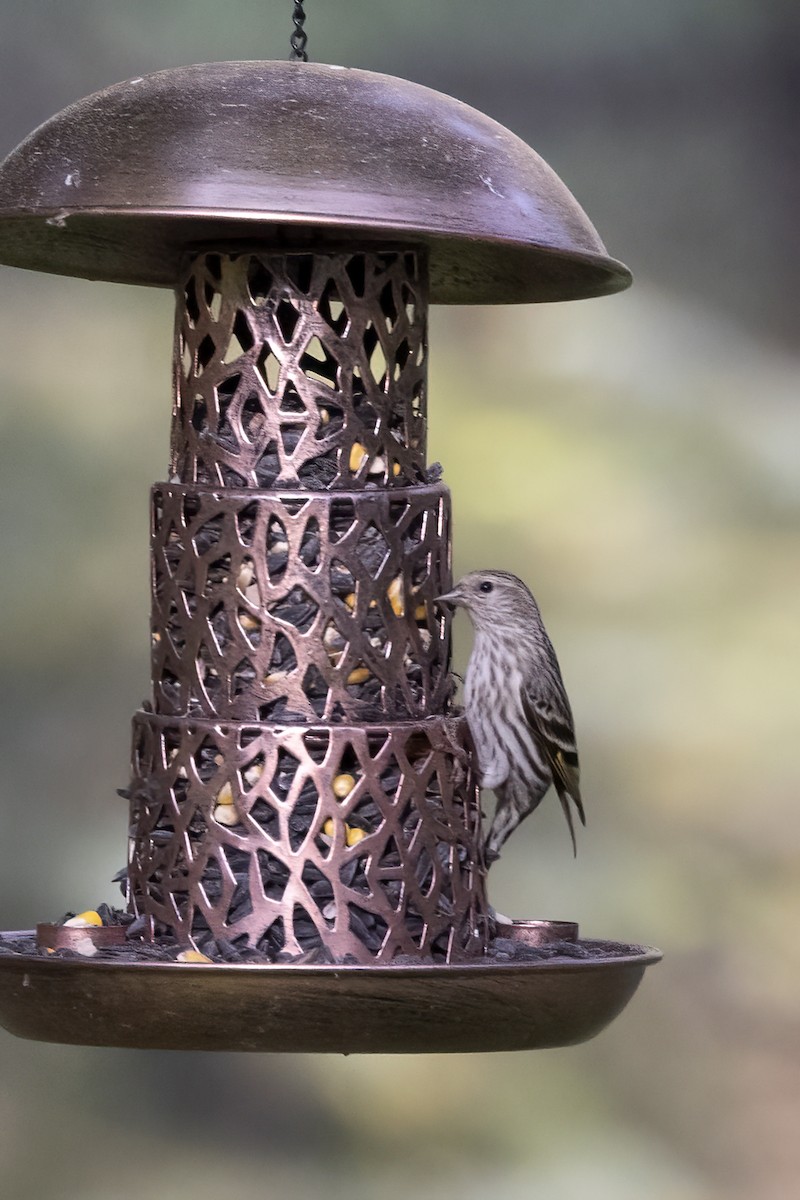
(303,795)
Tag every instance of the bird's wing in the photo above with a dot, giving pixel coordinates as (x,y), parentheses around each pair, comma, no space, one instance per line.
(553,730)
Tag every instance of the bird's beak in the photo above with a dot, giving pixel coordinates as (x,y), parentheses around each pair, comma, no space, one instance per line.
(451,599)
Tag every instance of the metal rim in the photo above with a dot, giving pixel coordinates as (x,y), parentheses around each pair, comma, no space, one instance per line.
(177,232)
(646,956)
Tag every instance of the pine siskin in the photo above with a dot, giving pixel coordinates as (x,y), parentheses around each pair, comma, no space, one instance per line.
(516,706)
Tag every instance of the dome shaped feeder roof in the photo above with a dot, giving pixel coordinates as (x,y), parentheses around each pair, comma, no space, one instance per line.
(120,184)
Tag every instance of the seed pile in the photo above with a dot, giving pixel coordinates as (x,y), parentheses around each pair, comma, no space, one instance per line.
(501,952)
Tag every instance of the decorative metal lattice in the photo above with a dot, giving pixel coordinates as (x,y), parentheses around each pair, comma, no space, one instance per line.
(300,608)
(301,370)
(363,840)
(301,786)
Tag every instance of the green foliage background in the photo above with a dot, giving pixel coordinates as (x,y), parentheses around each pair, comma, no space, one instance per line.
(635,458)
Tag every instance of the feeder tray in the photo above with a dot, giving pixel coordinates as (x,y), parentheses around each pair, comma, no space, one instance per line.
(405,1009)
(301,784)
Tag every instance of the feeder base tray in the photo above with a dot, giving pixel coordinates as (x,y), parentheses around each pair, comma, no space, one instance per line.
(404,1009)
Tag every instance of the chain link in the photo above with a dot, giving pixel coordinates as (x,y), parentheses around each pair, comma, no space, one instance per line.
(299,39)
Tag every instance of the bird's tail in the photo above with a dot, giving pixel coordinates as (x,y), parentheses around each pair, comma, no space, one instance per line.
(565,798)
(566,778)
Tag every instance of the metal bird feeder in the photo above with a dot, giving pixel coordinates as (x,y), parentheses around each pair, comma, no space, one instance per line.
(304,795)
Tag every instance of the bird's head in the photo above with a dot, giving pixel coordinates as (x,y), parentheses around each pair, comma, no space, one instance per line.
(493,598)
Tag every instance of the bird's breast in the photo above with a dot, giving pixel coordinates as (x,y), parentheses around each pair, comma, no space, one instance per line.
(492,702)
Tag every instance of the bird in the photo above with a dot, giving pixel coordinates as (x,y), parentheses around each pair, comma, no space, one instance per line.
(515,703)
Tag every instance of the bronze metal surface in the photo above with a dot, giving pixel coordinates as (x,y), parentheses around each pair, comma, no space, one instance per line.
(298,606)
(300,784)
(539,933)
(238,833)
(295,371)
(300,370)
(342,1010)
(118,185)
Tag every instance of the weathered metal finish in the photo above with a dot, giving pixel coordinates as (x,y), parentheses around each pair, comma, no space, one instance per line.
(118,185)
(539,933)
(299,607)
(302,370)
(295,371)
(239,833)
(300,783)
(339,1010)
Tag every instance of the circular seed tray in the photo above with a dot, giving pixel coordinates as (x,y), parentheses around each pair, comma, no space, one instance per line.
(319,1008)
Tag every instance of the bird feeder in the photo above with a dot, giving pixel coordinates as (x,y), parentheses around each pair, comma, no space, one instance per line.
(304,808)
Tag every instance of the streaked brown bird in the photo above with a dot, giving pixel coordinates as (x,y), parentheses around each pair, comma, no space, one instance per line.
(515,703)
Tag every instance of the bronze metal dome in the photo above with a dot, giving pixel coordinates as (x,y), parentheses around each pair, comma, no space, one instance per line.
(120,184)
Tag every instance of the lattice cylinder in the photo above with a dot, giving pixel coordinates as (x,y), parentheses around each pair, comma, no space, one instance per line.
(300,783)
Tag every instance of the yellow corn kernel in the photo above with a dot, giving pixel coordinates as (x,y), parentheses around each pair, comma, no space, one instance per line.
(358,675)
(395,468)
(246,574)
(276,677)
(193,956)
(343,785)
(358,456)
(395,594)
(327,828)
(350,600)
(226,814)
(354,835)
(247,622)
(421,612)
(84,919)
(251,775)
(225,794)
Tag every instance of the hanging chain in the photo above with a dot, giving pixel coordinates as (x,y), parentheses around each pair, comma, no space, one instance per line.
(299,39)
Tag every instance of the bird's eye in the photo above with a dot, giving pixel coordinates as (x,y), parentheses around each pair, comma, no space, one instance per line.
(486,586)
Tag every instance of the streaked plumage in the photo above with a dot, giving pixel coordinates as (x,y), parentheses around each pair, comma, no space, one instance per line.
(516,706)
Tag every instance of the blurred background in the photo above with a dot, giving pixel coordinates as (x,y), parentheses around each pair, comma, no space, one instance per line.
(634,458)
